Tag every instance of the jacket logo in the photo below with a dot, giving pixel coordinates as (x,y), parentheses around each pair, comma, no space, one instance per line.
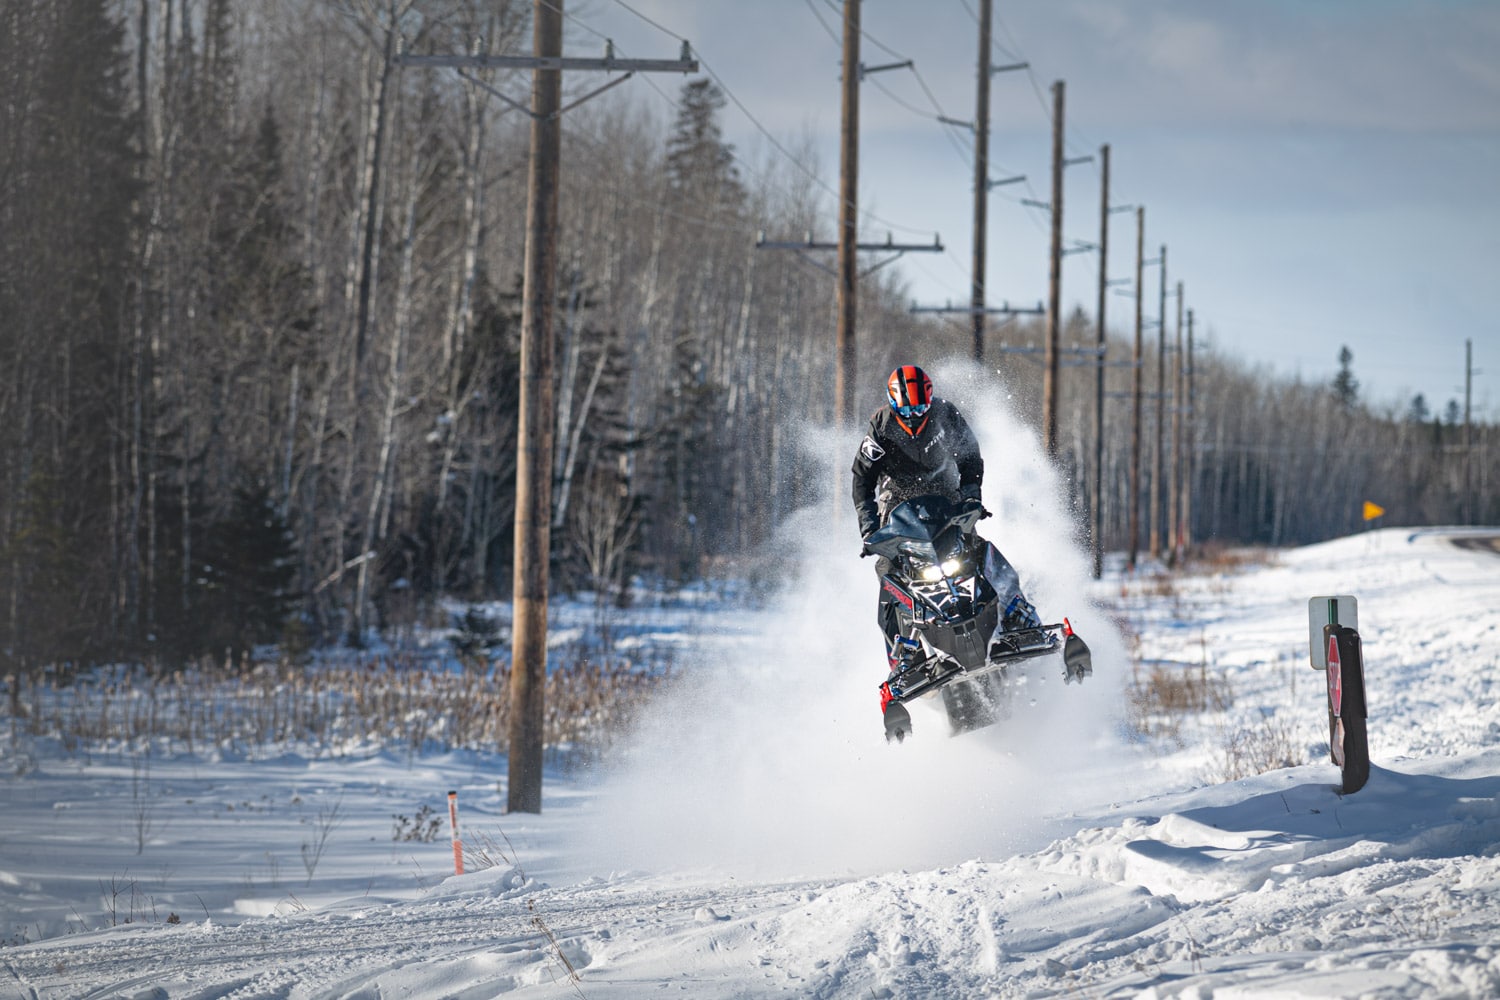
(872,451)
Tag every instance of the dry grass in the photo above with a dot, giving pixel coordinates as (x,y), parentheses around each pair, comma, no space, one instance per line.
(1267,747)
(1167,695)
(1161,586)
(1216,557)
(393,702)
(1164,694)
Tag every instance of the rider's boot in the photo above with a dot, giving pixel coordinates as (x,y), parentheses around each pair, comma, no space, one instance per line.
(899,652)
(1019,614)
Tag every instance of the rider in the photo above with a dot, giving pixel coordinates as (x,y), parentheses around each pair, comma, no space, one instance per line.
(919,444)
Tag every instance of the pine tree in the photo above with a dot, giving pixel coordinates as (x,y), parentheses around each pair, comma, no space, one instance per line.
(1345,385)
(1418,412)
(255,566)
(700,163)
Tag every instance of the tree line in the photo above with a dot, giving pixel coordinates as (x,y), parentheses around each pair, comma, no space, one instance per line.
(260,289)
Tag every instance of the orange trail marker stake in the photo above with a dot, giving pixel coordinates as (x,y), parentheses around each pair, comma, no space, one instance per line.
(458,845)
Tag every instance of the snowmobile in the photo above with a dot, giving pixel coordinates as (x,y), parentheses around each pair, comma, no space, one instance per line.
(961,620)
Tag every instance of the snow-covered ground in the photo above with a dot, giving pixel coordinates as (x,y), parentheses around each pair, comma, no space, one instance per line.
(750,847)
(759,838)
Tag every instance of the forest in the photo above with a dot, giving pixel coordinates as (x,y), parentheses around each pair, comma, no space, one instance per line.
(260,295)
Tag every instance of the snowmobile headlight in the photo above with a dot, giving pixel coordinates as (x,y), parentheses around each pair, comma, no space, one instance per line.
(936,571)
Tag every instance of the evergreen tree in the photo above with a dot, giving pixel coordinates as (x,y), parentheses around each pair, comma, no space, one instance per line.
(42,565)
(700,164)
(1418,412)
(254,557)
(1345,385)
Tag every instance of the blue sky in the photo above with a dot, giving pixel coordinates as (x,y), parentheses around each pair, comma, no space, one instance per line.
(1323,174)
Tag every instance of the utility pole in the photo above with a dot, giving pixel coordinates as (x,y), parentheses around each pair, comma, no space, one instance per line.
(981,179)
(535,427)
(533,542)
(1158,453)
(1174,483)
(1185,539)
(846,274)
(1096,487)
(982,182)
(1054,280)
(848,278)
(1469,505)
(977,310)
(1135,417)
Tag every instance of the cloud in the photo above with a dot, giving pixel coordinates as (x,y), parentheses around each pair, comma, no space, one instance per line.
(1417,67)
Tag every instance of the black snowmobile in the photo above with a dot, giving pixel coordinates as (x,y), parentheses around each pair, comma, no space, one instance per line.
(961,619)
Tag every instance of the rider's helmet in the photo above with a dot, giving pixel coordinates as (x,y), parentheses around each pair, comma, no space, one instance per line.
(910,393)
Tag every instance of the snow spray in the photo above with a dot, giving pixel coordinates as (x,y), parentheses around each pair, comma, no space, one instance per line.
(773,760)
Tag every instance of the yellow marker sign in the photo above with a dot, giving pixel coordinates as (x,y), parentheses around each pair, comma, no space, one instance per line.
(1372,511)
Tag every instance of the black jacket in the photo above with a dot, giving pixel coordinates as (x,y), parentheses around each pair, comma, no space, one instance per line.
(892,465)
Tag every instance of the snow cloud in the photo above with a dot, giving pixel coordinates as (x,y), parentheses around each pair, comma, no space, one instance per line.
(775,763)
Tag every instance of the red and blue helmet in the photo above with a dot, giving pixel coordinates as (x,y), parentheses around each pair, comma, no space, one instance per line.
(910,393)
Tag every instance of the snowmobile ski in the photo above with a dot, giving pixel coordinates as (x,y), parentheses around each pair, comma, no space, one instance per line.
(897,722)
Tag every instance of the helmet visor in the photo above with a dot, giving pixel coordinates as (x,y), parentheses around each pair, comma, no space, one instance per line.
(914,410)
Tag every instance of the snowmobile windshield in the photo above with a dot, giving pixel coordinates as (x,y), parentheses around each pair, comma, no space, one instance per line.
(927,527)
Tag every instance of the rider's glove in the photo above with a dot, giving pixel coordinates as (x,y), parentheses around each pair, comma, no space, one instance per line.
(974,503)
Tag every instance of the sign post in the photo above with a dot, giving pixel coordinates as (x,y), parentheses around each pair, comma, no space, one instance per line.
(1334,648)
(458,844)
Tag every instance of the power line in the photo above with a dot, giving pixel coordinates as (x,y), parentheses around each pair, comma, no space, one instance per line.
(948,129)
(957,142)
(866,35)
(657,205)
(1036,86)
(1013,57)
(782,149)
(734,98)
(938,113)
(829,31)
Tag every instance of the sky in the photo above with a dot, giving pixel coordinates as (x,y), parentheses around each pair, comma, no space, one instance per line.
(1323,175)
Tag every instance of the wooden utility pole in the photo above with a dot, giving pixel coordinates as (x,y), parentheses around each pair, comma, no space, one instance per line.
(1174,482)
(537,418)
(1135,405)
(1096,487)
(1469,504)
(977,311)
(1158,452)
(533,542)
(1190,465)
(1054,281)
(981,180)
(848,275)
(846,272)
